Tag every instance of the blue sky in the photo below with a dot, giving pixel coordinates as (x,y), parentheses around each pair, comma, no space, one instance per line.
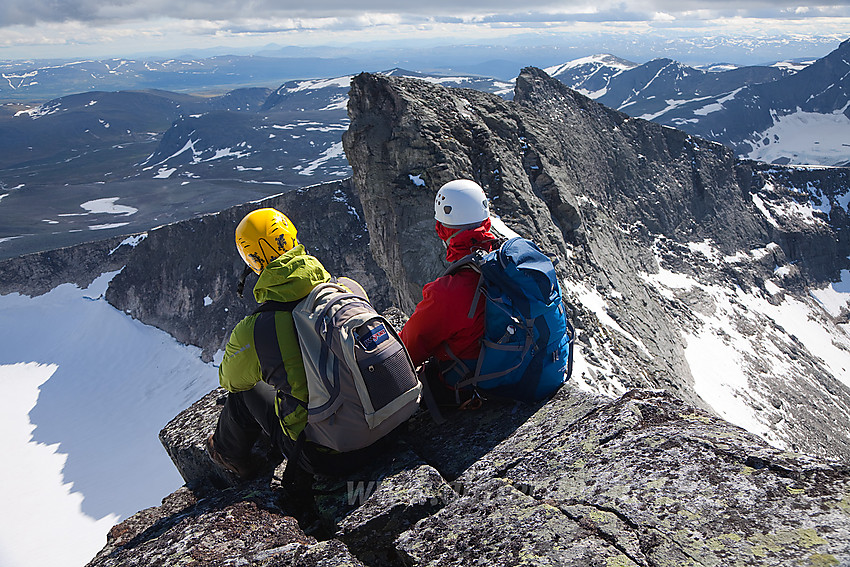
(120,28)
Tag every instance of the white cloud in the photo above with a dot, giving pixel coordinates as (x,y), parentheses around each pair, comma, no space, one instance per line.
(89,28)
(663,17)
(298,15)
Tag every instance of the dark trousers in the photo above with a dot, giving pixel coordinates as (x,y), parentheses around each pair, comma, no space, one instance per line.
(248,414)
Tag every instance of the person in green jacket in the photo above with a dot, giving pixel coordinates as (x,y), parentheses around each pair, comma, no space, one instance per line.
(266,240)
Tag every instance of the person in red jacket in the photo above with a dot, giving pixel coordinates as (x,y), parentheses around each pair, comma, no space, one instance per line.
(440,326)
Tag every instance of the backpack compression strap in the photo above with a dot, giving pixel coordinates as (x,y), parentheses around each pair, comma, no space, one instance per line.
(476,376)
(266,345)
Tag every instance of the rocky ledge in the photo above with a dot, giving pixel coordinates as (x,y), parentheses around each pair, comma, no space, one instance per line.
(643,479)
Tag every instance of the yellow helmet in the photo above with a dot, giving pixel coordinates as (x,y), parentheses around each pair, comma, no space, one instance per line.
(262,236)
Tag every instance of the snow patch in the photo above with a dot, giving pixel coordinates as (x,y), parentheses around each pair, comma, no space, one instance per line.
(35,484)
(672,104)
(107,205)
(108,226)
(835,297)
(782,271)
(189,146)
(337,82)
(327,128)
(131,241)
(599,60)
(340,197)
(721,380)
(339,102)
(333,152)
(706,248)
(41,110)
(708,109)
(715,106)
(720,348)
(224,153)
(788,210)
(164,172)
(594,301)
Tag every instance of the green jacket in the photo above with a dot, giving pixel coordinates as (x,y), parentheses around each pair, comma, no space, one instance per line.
(288,278)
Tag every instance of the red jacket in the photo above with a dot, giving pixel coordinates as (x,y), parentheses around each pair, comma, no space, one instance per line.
(442,315)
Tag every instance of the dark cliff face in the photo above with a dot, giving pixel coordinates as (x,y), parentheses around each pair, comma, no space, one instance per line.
(37,273)
(183,277)
(820,250)
(621,202)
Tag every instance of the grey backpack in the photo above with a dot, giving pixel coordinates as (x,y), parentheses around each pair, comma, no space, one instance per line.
(360,379)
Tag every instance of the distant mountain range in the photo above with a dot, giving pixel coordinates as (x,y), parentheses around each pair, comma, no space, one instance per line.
(44,80)
(169,156)
(708,279)
(781,114)
(166,156)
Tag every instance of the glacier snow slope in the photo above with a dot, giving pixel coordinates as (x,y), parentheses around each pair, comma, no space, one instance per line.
(86,391)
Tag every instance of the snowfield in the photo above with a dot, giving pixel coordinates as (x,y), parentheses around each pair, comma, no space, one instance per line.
(737,348)
(804,138)
(86,391)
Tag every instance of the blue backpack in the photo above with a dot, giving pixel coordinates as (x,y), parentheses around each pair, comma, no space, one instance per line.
(526,349)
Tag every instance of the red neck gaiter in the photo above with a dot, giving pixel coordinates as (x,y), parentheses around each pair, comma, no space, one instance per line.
(462,242)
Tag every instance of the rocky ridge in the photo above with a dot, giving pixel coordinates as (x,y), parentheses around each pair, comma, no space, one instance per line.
(642,477)
(663,239)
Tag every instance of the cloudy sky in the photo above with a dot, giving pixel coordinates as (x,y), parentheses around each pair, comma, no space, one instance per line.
(106,28)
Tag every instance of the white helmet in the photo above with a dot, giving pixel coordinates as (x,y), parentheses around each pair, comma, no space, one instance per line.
(461,202)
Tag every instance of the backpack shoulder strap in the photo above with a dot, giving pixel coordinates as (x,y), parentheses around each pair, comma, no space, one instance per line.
(272,367)
(472,260)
